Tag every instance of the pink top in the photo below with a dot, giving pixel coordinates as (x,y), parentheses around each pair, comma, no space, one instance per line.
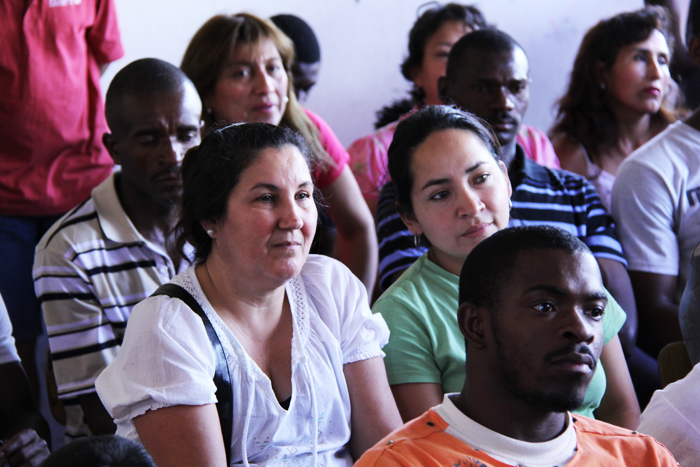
(368,155)
(327,174)
(538,147)
(51,111)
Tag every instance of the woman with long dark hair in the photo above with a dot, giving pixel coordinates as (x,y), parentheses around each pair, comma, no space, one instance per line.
(616,96)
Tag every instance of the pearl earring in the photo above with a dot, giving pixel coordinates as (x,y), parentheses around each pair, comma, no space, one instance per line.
(286,99)
(210,232)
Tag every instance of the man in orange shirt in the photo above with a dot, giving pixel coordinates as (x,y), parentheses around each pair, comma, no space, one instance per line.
(531,303)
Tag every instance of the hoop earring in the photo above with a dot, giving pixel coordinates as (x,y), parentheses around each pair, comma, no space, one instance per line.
(416,240)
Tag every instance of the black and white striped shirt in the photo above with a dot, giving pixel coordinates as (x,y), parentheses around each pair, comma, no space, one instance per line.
(90,269)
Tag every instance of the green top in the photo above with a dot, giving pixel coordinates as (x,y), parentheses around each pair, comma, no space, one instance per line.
(426,345)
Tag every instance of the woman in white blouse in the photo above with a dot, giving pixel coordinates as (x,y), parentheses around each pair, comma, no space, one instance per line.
(302,348)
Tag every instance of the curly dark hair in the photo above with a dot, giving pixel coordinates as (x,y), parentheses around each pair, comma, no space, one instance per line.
(432,18)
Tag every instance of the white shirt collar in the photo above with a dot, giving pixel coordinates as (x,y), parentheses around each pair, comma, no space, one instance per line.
(116,224)
(556,452)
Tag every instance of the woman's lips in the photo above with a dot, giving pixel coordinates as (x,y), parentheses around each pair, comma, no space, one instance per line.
(264,107)
(476,230)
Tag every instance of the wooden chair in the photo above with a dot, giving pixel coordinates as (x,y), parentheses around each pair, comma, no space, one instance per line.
(674,363)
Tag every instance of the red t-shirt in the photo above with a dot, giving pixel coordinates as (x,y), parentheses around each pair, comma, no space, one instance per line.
(51,110)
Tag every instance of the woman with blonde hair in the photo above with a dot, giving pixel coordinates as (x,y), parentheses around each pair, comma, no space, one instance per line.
(241,66)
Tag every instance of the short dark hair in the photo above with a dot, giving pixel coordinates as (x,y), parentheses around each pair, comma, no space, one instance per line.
(100,451)
(491,41)
(427,24)
(212,170)
(143,77)
(415,129)
(491,263)
(306,47)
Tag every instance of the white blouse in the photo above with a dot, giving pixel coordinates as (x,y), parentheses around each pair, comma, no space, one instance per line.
(167,359)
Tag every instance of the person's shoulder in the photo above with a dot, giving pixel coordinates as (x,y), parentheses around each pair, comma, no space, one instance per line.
(379,135)
(78,226)
(316,119)
(571,154)
(322,265)
(626,444)
(323,275)
(164,311)
(406,289)
(402,442)
(674,146)
(557,179)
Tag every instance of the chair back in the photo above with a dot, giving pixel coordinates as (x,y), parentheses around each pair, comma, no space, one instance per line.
(674,363)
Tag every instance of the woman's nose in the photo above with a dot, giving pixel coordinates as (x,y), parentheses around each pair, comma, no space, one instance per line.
(264,82)
(469,203)
(290,217)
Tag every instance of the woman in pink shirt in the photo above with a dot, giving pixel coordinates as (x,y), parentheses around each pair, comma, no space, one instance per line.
(429,43)
(241,66)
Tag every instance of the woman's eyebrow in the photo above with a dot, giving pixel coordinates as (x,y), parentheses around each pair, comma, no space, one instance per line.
(440,181)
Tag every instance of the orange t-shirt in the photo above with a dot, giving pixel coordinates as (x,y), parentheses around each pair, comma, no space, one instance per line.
(424,442)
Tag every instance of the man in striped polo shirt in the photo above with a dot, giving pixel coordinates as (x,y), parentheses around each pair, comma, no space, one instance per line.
(487,74)
(115,249)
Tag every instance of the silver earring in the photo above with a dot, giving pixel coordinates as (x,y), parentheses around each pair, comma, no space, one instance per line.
(416,240)
(510,204)
(210,232)
(286,99)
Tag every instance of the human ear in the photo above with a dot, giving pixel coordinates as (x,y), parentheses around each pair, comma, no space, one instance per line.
(694,49)
(112,147)
(409,218)
(210,227)
(599,73)
(472,321)
(504,169)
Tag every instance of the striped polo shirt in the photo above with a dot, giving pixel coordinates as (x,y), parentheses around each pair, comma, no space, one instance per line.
(90,269)
(541,196)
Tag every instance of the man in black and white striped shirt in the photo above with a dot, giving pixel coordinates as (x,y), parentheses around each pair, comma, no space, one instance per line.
(114,250)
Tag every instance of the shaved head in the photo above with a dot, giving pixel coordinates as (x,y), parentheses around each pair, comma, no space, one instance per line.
(144,77)
(490,41)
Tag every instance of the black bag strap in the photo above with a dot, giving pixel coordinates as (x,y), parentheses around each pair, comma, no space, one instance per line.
(222,377)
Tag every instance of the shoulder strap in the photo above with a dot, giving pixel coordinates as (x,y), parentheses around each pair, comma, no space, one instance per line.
(222,377)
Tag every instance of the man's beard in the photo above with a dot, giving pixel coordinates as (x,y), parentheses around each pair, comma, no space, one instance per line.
(562,401)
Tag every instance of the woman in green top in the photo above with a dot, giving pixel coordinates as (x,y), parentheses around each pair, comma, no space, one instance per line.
(453,191)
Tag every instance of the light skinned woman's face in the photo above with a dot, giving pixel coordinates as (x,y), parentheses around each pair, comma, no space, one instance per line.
(639,79)
(252,86)
(437,49)
(460,195)
(270,218)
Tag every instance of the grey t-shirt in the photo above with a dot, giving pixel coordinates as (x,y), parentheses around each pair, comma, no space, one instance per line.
(656,203)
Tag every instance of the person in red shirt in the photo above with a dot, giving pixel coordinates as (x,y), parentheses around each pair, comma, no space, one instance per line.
(51,124)
(531,307)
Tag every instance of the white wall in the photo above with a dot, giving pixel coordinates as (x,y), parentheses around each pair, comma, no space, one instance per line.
(364,41)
